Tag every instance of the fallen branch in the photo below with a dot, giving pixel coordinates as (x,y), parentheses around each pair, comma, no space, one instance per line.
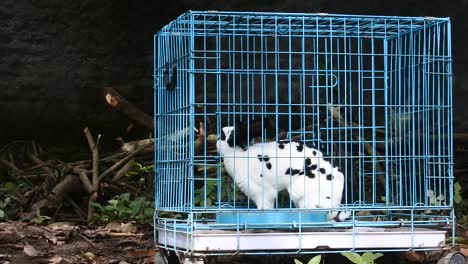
(124,170)
(95,152)
(9,165)
(84,178)
(115,100)
(67,185)
(45,167)
(123,161)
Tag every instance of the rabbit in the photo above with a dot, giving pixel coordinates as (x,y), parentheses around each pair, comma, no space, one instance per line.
(262,170)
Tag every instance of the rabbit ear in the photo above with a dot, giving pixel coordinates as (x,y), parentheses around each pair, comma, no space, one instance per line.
(241,133)
(257,126)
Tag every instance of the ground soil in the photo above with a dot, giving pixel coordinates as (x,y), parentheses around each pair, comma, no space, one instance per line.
(70,243)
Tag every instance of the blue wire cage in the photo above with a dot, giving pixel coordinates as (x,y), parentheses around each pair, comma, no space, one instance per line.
(372,93)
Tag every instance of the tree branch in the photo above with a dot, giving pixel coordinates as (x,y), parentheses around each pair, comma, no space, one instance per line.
(123,161)
(115,100)
(95,151)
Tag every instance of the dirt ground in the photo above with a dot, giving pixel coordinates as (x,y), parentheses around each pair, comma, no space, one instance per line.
(70,243)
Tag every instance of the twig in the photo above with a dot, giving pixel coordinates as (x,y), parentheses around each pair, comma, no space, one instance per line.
(84,178)
(86,239)
(76,207)
(95,152)
(9,165)
(127,186)
(123,161)
(121,234)
(92,199)
(10,157)
(50,174)
(94,146)
(120,173)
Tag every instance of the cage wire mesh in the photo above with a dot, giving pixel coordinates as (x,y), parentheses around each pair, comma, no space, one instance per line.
(372,93)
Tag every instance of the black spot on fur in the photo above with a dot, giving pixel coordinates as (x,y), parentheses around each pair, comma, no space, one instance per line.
(263,158)
(283,141)
(310,174)
(268,165)
(260,158)
(223,135)
(327,197)
(300,147)
(314,152)
(281,146)
(329,177)
(301,173)
(313,167)
(292,171)
(230,140)
(322,170)
(261,175)
(308,162)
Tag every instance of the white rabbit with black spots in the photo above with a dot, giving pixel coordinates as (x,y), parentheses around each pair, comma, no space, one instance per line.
(262,170)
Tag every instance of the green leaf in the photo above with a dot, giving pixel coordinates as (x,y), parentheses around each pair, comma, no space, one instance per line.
(315,260)
(369,257)
(353,257)
(456,187)
(378,255)
(297,261)
(113,202)
(2,213)
(96,205)
(109,208)
(7,201)
(10,185)
(149,212)
(457,198)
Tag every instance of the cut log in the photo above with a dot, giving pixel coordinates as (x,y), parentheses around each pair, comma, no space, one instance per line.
(116,101)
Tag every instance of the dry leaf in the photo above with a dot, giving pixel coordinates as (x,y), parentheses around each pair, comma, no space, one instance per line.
(31,251)
(114,227)
(129,228)
(90,257)
(56,259)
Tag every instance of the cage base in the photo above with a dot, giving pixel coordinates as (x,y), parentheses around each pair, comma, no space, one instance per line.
(216,241)
(269,218)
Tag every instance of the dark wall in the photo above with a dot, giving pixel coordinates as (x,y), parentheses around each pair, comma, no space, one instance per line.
(56,55)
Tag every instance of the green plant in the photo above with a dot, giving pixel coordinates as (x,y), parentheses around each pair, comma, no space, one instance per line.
(140,169)
(9,197)
(40,219)
(366,258)
(121,208)
(314,260)
(3,207)
(207,193)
